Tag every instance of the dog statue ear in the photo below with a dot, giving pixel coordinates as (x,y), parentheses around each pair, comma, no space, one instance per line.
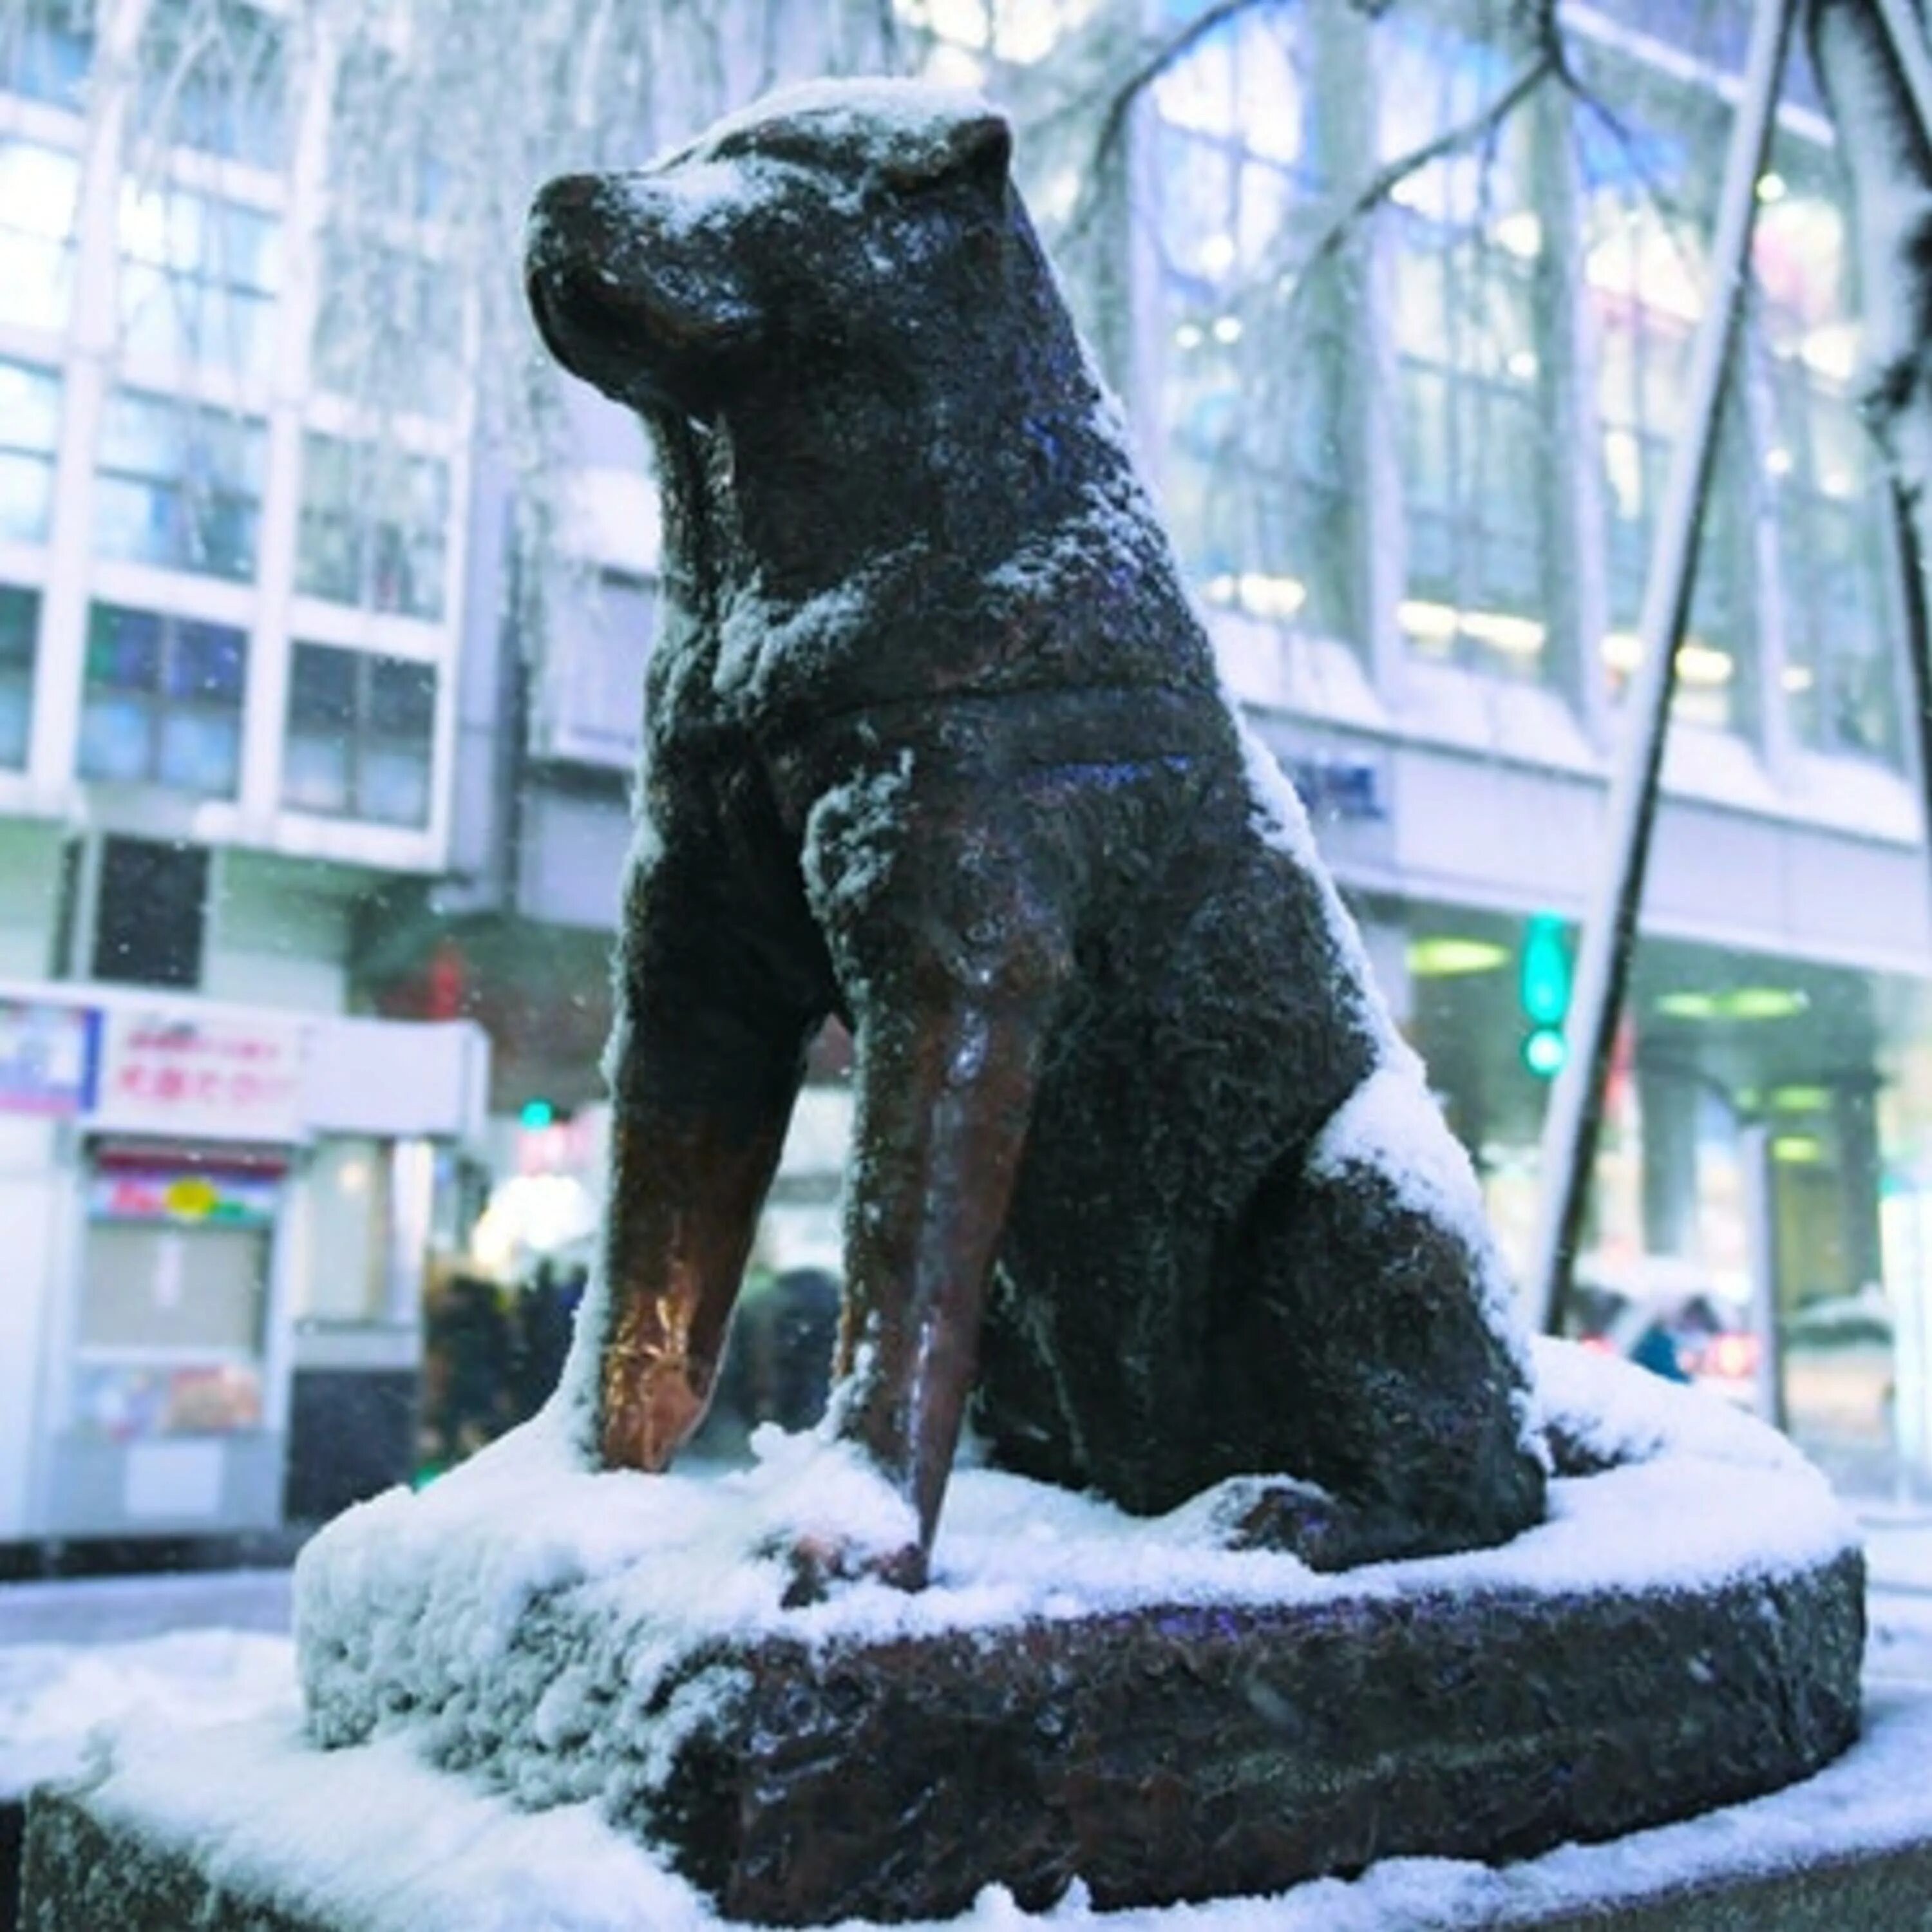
(979,148)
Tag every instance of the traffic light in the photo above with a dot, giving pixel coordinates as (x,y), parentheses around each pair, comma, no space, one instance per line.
(1543,989)
(537,1114)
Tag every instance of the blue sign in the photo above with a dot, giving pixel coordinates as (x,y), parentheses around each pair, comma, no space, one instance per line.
(1332,787)
(49,1058)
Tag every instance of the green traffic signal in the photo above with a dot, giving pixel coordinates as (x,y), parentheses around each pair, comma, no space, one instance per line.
(1544,1051)
(537,1114)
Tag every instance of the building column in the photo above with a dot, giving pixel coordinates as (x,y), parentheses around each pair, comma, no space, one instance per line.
(1668,1096)
(1854,1121)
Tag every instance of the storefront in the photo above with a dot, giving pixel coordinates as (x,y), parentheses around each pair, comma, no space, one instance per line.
(220,1219)
(1762,1113)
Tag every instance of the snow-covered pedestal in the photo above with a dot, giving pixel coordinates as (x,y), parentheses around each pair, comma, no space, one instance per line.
(599,1665)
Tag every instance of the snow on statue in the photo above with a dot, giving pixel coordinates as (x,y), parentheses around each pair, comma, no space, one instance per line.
(934,742)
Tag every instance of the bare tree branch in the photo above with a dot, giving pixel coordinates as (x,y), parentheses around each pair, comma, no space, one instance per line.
(1479,129)
(1166,54)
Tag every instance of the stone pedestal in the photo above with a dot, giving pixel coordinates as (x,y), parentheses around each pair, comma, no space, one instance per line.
(1188,1751)
(1081,1700)
(174,1839)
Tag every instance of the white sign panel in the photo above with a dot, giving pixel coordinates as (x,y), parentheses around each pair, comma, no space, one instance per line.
(196,1077)
(173,1479)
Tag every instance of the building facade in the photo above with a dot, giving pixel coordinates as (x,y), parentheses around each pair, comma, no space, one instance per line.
(1426,594)
(229,617)
(277,722)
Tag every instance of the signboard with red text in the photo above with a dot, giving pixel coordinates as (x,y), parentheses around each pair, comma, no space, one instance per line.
(222,1078)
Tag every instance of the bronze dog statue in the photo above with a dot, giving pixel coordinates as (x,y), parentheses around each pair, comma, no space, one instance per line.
(934,742)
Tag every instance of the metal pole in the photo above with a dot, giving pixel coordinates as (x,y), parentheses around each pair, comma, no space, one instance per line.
(1761,1253)
(1609,928)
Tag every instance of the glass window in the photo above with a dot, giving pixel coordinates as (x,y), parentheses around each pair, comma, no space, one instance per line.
(1017,31)
(152,917)
(374,300)
(180,484)
(40,189)
(163,701)
(374,526)
(198,279)
(214,75)
(45,49)
(1645,270)
(382,153)
(1831,514)
(1840,676)
(29,433)
(19,627)
(1468,251)
(1251,472)
(361,735)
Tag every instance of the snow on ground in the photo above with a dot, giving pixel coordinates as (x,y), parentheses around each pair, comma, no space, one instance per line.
(81,1655)
(208,1747)
(58,1701)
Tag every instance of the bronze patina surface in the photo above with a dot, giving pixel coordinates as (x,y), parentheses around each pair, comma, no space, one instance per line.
(934,743)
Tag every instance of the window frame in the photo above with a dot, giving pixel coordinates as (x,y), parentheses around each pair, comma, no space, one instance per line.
(363,539)
(20,454)
(354,729)
(183,536)
(204,294)
(161,702)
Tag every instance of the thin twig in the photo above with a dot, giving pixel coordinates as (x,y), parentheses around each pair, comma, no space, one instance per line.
(1481,128)
(1166,54)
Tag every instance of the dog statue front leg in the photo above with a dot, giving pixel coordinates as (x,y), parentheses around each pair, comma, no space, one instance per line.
(953,976)
(685,1195)
(705,1068)
(942,1113)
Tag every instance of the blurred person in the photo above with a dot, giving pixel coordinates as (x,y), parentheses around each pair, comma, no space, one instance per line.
(546,1314)
(471,1334)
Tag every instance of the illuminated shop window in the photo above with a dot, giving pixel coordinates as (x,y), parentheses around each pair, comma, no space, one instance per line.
(29,433)
(361,735)
(1468,245)
(179,484)
(374,527)
(198,280)
(162,701)
(39,191)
